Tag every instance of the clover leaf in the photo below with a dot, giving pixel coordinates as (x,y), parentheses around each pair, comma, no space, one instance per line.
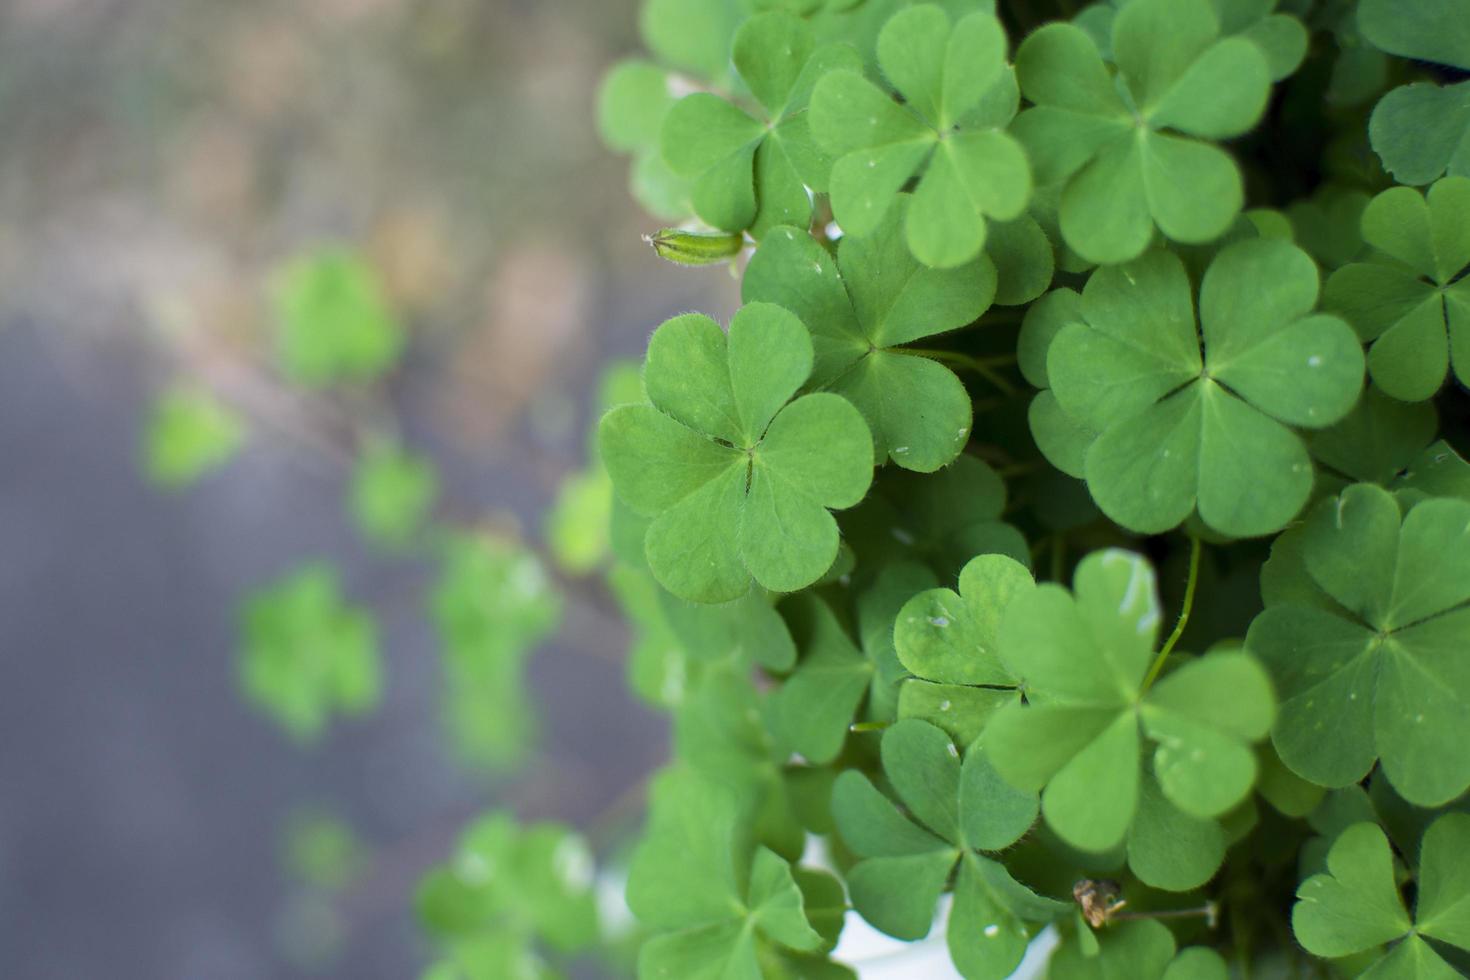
(861,307)
(632,103)
(391,494)
(1123,147)
(738,482)
(958,95)
(1138,950)
(697,880)
(748,172)
(1180,428)
(1281,37)
(334,324)
(942,519)
(1375,669)
(534,882)
(955,810)
(952,637)
(1082,658)
(492,602)
(189,433)
(306,654)
(1413,305)
(1421,130)
(815,706)
(1355,905)
(1378,439)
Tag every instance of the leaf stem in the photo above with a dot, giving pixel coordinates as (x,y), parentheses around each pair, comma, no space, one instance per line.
(1184,610)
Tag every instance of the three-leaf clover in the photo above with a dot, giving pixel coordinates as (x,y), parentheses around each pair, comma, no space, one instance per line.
(306,654)
(1367,646)
(955,810)
(505,890)
(189,433)
(1084,662)
(1422,130)
(1114,142)
(748,172)
(738,482)
(334,322)
(861,307)
(492,603)
(392,492)
(1355,905)
(1281,37)
(1414,305)
(958,95)
(1180,428)
(696,880)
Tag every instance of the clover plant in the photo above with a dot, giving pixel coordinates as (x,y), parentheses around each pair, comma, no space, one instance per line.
(1127,603)
(1064,548)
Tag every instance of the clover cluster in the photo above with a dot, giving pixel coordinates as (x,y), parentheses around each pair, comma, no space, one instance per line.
(1076,506)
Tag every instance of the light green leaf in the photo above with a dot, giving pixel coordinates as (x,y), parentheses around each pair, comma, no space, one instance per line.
(1355,905)
(306,655)
(188,433)
(737,484)
(334,323)
(392,493)
(951,637)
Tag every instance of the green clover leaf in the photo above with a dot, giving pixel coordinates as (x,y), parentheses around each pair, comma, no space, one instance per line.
(955,810)
(1281,37)
(533,882)
(632,103)
(1181,428)
(1422,130)
(958,96)
(1410,304)
(699,883)
(1439,471)
(1138,950)
(861,307)
(306,655)
(334,324)
(1082,658)
(491,604)
(738,482)
(188,434)
(943,519)
(1356,904)
(391,494)
(1116,145)
(952,637)
(1378,439)
(1373,667)
(814,708)
(748,172)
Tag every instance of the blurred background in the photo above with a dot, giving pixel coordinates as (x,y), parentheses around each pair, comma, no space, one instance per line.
(161,163)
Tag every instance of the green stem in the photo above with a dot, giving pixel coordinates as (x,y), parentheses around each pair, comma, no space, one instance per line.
(1189,587)
(868,726)
(1058,556)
